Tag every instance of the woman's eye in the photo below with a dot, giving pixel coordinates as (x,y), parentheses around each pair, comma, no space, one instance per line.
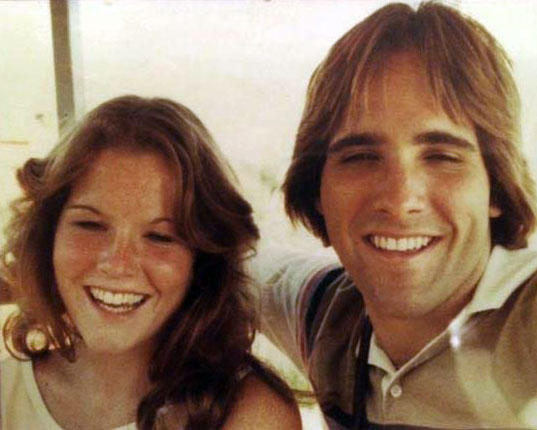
(89,225)
(160,238)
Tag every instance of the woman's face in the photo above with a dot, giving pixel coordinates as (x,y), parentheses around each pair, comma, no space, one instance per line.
(120,268)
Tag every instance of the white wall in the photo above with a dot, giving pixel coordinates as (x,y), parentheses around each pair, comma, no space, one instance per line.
(241,65)
(28,121)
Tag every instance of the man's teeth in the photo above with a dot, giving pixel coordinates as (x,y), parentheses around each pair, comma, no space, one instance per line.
(116,301)
(400,244)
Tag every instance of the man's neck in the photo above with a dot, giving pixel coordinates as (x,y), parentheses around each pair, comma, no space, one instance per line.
(402,338)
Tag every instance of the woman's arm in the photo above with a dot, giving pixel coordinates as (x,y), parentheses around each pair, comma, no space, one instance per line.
(259,407)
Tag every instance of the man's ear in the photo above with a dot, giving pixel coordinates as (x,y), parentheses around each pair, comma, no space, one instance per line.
(324,234)
(318,206)
(494,211)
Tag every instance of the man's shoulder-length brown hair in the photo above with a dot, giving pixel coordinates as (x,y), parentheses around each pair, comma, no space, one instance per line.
(470,76)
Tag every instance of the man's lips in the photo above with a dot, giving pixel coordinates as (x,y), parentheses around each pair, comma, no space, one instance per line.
(407,243)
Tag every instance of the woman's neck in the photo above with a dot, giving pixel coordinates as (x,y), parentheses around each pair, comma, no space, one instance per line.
(112,386)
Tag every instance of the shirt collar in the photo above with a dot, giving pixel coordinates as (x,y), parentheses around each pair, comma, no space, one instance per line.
(506,270)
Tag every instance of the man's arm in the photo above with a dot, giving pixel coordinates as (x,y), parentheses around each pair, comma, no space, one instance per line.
(284,283)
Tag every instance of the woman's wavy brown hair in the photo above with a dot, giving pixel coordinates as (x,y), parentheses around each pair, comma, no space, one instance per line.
(204,347)
(470,75)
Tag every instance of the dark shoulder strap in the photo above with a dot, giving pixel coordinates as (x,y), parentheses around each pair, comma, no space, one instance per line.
(361,380)
(315,302)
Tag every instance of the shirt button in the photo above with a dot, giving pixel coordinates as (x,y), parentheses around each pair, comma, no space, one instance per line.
(396,391)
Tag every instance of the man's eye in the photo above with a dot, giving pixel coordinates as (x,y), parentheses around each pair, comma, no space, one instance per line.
(359,157)
(160,238)
(89,225)
(443,156)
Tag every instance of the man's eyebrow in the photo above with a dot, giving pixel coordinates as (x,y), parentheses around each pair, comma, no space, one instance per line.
(438,137)
(430,137)
(355,139)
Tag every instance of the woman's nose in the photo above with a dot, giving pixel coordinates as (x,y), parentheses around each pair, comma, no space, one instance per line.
(119,258)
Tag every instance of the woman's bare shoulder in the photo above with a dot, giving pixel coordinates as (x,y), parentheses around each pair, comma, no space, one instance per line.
(259,407)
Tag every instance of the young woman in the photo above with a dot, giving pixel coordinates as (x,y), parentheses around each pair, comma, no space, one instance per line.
(125,256)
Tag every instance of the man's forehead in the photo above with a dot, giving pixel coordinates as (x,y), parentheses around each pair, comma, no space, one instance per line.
(398,83)
(382,82)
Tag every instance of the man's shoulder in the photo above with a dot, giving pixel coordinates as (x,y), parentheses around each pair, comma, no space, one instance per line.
(272,263)
(332,292)
(315,284)
(284,284)
(333,325)
(290,279)
(523,301)
(325,292)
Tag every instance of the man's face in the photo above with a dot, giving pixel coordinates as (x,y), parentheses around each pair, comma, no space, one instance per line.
(405,197)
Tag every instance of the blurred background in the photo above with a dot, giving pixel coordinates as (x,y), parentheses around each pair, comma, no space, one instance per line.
(241,65)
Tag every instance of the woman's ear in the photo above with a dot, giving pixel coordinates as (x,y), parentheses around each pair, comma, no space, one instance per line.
(494,211)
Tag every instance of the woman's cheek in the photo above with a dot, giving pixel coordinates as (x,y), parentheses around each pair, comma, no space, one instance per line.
(170,266)
(72,248)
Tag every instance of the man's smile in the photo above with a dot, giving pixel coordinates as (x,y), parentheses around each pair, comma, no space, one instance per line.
(398,243)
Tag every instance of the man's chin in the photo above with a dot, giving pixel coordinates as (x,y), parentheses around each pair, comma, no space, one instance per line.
(399,305)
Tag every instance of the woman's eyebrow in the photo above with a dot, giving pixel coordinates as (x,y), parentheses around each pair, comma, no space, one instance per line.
(162,219)
(83,207)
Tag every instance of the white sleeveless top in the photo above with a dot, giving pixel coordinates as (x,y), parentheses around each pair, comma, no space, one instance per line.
(22,405)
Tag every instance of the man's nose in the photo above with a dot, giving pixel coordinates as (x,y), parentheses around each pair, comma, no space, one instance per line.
(402,189)
(119,257)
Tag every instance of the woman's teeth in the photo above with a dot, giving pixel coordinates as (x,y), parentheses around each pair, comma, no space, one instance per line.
(412,243)
(116,302)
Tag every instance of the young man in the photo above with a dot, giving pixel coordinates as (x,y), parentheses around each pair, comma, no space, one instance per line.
(408,163)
